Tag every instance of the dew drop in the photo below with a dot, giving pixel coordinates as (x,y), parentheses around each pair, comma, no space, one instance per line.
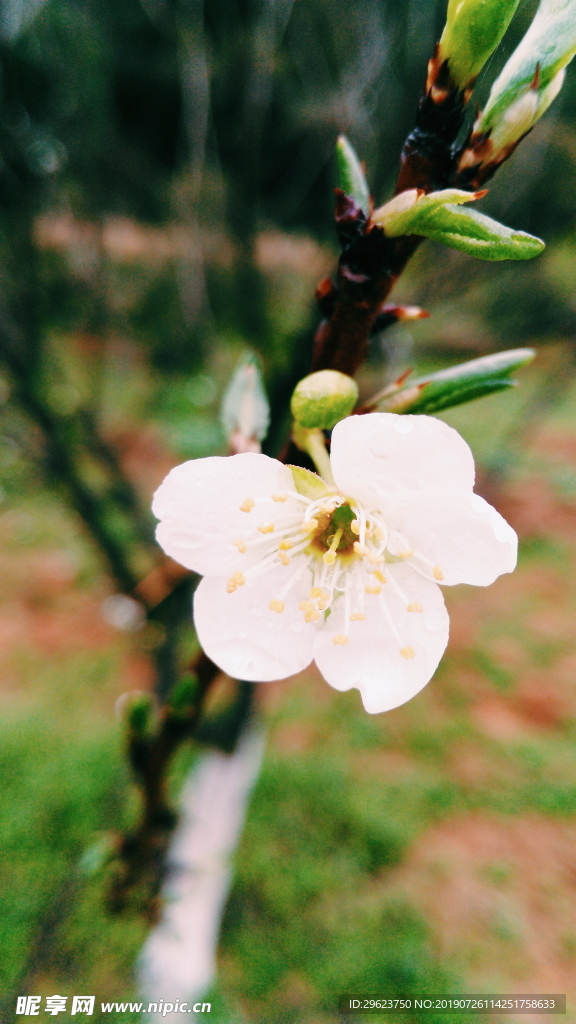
(403,425)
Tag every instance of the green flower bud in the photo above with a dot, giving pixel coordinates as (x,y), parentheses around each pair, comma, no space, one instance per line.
(322,399)
(472,32)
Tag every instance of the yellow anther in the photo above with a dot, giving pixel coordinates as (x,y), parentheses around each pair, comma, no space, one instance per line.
(305,606)
(373,590)
(355,527)
(312,616)
(279,497)
(266,527)
(437,573)
(309,525)
(375,559)
(407,653)
(276,606)
(328,509)
(340,639)
(406,554)
(315,592)
(285,545)
(284,558)
(379,576)
(415,606)
(330,556)
(359,548)
(357,617)
(239,543)
(378,535)
(247,505)
(236,580)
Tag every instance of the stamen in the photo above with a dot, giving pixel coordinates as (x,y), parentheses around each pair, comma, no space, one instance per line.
(340,639)
(315,592)
(355,527)
(357,617)
(373,590)
(284,558)
(405,554)
(247,505)
(330,556)
(279,497)
(276,606)
(359,548)
(375,559)
(378,575)
(407,653)
(309,525)
(266,527)
(312,615)
(437,573)
(236,580)
(414,606)
(285,545)
(239,543)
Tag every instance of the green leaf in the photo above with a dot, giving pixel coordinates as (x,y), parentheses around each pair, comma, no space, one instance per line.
(351,177)
(548,46)
(309,484)
(459,384)
(435,216)
(472,32)
(406,211)
(480,236)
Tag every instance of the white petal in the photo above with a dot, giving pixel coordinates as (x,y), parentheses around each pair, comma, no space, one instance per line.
(244,637)
(467,538)
(371,661)
(382,456)
(199,507)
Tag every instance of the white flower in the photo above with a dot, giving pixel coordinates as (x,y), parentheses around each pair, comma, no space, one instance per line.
(349,578)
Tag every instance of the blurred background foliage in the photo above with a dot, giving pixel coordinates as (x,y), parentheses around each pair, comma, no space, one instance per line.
(166,176)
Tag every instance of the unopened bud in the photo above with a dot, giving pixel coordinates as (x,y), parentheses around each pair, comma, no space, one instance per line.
(245,412)
(322,399)
(535,65)
(351,178)
(472,32)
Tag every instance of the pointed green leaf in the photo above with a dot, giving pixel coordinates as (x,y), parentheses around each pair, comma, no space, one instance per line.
(406,211)
(459,384)
(472,32)
(351,178)
(435,216)
(548,46)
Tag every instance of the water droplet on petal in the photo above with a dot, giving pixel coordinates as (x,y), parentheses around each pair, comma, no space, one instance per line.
(403,425)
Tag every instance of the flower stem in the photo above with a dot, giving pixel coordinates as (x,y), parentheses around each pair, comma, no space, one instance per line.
(312,442)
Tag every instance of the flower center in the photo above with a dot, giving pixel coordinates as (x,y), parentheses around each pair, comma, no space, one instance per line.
(347,550)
